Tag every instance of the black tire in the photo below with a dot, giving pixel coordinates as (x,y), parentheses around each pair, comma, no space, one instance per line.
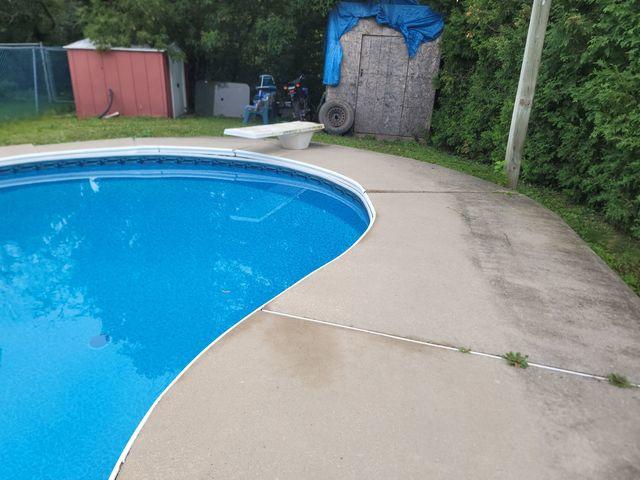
(337,116)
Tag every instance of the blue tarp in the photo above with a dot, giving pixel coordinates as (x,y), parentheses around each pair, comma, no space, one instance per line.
(417,23)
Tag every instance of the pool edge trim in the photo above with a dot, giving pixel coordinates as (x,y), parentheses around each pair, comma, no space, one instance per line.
(241,155)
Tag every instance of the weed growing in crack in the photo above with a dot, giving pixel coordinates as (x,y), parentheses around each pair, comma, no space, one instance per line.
(618,380)
(516,359)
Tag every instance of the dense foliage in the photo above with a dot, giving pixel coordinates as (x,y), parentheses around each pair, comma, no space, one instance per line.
(584,135)
(232,40)
(52,22)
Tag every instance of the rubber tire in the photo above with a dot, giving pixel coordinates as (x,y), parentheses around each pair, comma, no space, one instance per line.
(337,116)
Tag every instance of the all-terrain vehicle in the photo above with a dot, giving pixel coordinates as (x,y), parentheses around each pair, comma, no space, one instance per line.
(295,101)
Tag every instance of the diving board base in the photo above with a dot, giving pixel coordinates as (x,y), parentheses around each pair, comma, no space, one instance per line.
(296,141)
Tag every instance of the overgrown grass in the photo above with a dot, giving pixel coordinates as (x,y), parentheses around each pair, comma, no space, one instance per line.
(620,251)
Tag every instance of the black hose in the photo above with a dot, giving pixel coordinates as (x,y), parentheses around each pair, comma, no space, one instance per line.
(110,95)
(320,103)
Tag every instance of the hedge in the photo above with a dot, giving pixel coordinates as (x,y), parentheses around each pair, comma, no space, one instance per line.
(584,134)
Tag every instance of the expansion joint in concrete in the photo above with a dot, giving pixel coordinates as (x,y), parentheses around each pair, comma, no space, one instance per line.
(441,346)
(474,192)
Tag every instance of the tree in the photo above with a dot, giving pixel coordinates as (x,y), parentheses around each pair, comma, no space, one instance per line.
(53,22)
(233,40)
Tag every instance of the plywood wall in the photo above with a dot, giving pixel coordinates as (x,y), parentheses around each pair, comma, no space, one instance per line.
(392,94)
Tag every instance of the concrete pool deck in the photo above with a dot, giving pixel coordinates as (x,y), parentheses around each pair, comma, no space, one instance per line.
(343,376)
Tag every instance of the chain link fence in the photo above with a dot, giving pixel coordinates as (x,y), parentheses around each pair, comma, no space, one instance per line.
(33,80)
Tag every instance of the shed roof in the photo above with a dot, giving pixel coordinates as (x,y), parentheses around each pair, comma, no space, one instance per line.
(86,44)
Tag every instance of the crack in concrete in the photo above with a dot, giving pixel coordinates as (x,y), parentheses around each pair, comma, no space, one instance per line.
(441,346)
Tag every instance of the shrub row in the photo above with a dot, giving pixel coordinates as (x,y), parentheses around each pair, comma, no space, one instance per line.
(584,134)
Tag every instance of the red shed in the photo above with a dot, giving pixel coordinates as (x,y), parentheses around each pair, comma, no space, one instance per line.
(143,81)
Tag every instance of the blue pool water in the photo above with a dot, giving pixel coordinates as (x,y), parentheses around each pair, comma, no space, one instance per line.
(114,275)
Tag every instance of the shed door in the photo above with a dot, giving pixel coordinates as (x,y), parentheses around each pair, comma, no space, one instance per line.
(178,91)
(384,63)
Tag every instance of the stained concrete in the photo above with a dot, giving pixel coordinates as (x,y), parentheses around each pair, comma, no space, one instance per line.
(282,398)
(492,271)
(451,259)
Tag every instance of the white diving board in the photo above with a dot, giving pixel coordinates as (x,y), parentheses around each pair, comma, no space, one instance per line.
(292,135)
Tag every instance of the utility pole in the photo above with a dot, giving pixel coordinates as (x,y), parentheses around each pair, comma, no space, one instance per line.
(526,88)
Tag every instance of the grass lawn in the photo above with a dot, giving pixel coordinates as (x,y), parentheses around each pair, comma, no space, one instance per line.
(620,251)
(25,108)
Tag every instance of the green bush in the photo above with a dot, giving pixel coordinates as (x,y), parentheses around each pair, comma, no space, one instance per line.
(584,134)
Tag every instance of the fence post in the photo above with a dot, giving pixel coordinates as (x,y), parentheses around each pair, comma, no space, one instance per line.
(526,88)
(35,79)
(47,74)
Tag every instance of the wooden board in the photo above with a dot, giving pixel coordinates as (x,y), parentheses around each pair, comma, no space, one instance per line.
(367,55)
(275,130)
(383,73)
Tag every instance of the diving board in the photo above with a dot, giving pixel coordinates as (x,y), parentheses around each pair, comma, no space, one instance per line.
(292,135)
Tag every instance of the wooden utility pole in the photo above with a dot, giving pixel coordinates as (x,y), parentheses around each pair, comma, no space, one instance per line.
(526,88)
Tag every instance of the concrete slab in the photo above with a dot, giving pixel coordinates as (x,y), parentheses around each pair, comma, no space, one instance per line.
(208,142)
(12,150)
(107,143)
(566,305)
(492,271)
(378,171)
(281,398)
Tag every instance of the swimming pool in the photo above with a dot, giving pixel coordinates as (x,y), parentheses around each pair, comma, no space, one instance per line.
(117,270)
